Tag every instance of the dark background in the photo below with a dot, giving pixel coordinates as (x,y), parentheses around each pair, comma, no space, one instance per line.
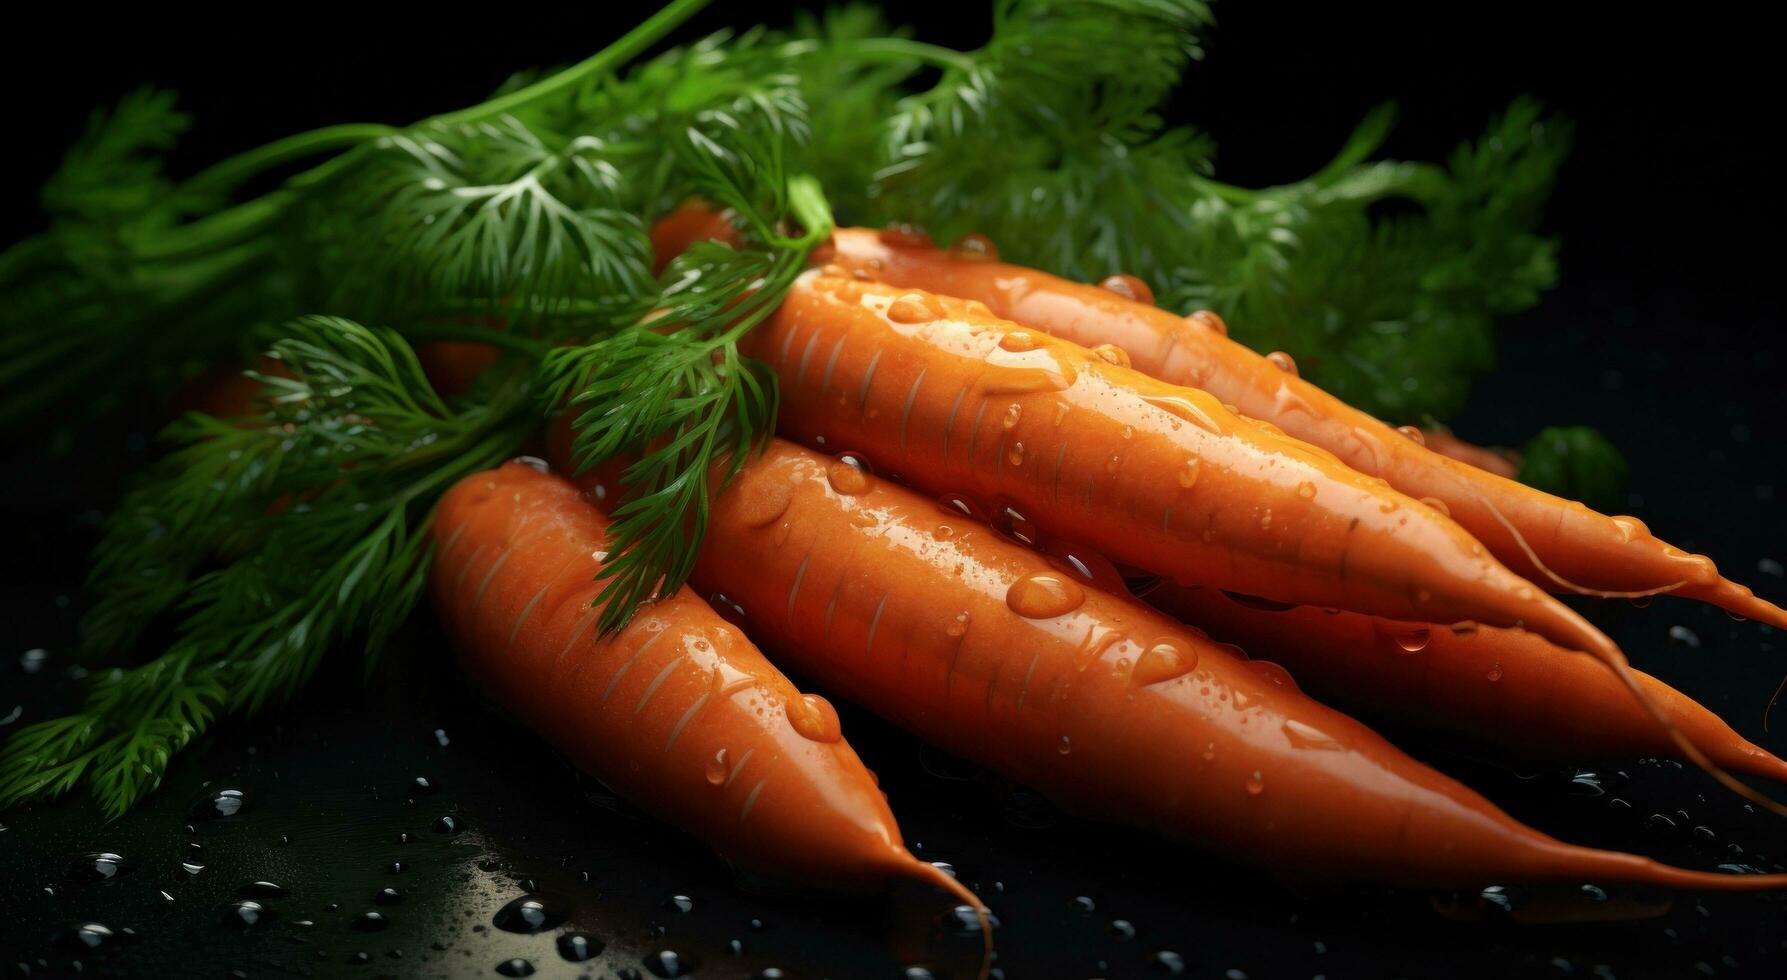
(1664,334)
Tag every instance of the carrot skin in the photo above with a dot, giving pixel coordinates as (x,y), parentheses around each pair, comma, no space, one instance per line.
(1155,475)
(1501,695)
(1504,463)
(1561,544)
(678,711)
(877,593)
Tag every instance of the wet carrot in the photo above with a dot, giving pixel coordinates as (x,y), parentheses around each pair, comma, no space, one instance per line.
(979,645)
(691,222)
(1558,543)
(678,712)
(1502,462)
(1500,695)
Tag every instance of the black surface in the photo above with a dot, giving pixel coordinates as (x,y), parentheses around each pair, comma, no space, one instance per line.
(1665,334)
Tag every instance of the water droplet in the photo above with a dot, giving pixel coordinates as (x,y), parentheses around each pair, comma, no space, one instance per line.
(421,785)
(1437,504)
(192,867)
(261,889)
(245,915)
(1414,435)
(534,463)
(974,247)
(912,308)
(1768,566)
(901,234)
(1014,454)
(717,767)
(943,532)
(516,967)
(1083,904)
(1167,658)
(1112,354)
(448,825)
(1256,783)
(849,474)
(1283,362)
(87,935)
(388,896)
(958,625)
(98,866)
(1495,672)
(370,921)
(1306,490)
(221,804)
(1064,746)
(1113,463)
(680,904)
(964,920)
(1209,321)
(1271,673)
(1411,639)
(1685,636)
(668,963)
(32,661)
(529,914)
(1209,749)
(1188,473)
(1019,341)
(580,947)
(1044,595)
(1168,963)
(814,718)
(1122,928)
(729,609)
(762,500)
(1128,287)
(965,506)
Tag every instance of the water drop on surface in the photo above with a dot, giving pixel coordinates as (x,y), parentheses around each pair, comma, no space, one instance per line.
(448,825)
(1014,454)
(221,804)
(1167,658)
(516,967)
(1283,362)
(529,914)
(1495,672)
(1306,490)
(98,866)
(32,661)
(1209,321)
(1083,904)
(1685,636)
(261,889)
(1128,287)
(1064,746)
(912,308)
(1305,736)
(1013,413)
(371,922)
(87,935)
(1122,929)
(1168,963)
(905,235)
(1019,341)
(245,915)
(1256,783)
(1413,434)
(388,896)
(974,247)
(1437,504)
(1113,355)
(814,718)
(957,626)
(668,963)
(579,947)
(1412,640)
(717,767)
(1044,595)
(1188,473)
(849,474)
(680,904)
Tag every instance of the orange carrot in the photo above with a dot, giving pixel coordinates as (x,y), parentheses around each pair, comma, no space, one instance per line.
(692,222)
(678,711)
(1559,543)
(1501,695)
(1154,475)
(1504,463)
(980,646)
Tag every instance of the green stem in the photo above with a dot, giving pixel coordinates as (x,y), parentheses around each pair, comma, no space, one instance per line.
(633,43)
(233,171)
(482,335)
(904,49)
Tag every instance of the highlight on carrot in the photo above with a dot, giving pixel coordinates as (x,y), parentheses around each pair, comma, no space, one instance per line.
(678,711)
(982,646)
(1557,543)
(1497,694)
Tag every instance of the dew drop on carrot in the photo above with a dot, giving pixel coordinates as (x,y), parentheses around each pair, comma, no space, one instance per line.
(1167,658)
(957,504)
(534,463)
(717,767)
(1415,435)
(1128,287)
(1630,527)
(1014,454)
(903,235)
(1188,473)
(849,474)
(1495,672)
(958,625)
(1209,750)
(911,308)
(974,247)
(763,500)
(1112,354)
(1064,746)
(943,532)
(814,718)
(1464,628)
(1256,783)
(1437,504)
(1272,673)
(1305,736)
(1412,640)
(1306,490)
(1209,321)
(862,517)
(1013,413)
(729,609)
(1012,522)
(1187,406)
(1113,463)
(1044,595)
(1283,362)
(1019,341)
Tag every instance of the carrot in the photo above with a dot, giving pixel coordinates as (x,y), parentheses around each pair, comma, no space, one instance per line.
(691,222)
(1502,462)
(979,645)
(1560,543)
(1501,695)
(678,711)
